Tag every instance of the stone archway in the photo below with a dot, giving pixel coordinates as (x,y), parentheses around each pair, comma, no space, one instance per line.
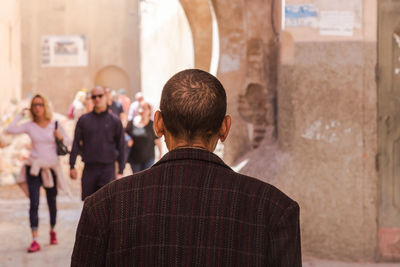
(248,53)
(198,13)
(113,77)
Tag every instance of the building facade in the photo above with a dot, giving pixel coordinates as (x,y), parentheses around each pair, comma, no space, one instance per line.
(312,90)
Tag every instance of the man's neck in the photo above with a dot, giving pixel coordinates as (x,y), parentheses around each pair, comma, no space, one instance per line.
(99,110)
(173,143)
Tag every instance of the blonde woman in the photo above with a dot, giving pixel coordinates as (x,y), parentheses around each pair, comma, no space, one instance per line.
(42,166)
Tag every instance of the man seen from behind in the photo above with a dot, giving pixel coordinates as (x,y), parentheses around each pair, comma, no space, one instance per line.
(190,208)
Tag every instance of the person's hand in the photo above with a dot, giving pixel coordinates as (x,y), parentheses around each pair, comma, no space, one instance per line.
(73,174)
(119,176)
(130,143)
(24,111)
(58,135)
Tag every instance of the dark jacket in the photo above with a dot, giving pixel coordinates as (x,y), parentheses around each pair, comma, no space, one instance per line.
(99,139)
(189,209)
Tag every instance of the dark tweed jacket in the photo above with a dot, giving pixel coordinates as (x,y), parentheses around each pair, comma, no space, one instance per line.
(189,209)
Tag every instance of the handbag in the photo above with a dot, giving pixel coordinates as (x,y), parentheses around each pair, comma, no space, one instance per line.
(62,149)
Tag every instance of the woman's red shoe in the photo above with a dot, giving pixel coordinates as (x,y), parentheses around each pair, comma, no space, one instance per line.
(34,247)
(53,238)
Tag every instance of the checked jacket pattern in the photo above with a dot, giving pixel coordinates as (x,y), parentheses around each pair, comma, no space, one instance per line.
(189,209)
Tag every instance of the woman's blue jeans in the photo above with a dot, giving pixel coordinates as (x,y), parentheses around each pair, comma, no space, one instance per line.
(34,183)
(137,167)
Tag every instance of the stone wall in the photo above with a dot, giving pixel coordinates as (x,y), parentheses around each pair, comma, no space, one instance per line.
(324,155)
(249,53)
(112,31)
(10,52)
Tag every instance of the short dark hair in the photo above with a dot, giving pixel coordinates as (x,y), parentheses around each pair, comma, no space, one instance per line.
(193,105)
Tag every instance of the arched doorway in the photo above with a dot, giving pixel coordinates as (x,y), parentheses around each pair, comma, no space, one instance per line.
(113,77)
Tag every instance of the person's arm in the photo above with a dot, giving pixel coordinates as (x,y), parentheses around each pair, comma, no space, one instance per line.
(75,149)
(14,127)
(90,244)
(120,143)
(284,247)
(128,131)
(65,138)
(130,111)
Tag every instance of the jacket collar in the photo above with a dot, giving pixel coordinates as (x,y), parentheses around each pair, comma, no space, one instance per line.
(101,113)
(191,154)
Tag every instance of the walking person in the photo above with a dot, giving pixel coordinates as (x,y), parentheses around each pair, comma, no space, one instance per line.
(113,105)
(190,208)
(99,140)
(134,107)
(42,168)
(142,139)
(78,105)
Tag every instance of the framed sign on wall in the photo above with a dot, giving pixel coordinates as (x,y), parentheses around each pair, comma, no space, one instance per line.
(64,51)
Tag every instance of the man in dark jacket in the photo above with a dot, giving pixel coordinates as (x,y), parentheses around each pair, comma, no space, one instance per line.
(190,208)
(99,139)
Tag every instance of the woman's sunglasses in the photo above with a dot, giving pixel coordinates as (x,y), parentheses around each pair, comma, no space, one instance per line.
(38,105)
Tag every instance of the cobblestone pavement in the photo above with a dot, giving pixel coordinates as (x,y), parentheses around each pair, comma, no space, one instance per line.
(15,233)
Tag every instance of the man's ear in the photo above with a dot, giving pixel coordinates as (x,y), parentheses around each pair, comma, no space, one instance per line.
(225,127)
(158,126)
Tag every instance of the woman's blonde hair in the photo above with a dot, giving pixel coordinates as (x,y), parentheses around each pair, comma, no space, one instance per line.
(47,110)
(80,96)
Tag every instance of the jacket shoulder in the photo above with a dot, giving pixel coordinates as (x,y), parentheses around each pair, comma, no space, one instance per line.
(265,190)
(84,117)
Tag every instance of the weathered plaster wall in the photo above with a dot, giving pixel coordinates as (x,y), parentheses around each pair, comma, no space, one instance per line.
(112,31)
(10,51)
(231,70)
(248,54)
(327,138)
(199,16)
(328,111)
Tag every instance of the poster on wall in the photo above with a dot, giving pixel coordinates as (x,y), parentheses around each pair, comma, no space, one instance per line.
(305,15)
(340,17)
(338,23)
(64,51)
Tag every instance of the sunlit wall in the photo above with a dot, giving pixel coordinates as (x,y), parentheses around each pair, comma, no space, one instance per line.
(166,45)
(10,51)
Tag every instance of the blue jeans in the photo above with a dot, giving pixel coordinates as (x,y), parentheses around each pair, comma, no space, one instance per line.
(137,167)
(34,183)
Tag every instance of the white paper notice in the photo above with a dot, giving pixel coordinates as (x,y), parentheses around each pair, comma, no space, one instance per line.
(338,23)
(64,51)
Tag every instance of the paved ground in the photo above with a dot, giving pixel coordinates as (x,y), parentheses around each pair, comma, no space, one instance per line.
(15,233)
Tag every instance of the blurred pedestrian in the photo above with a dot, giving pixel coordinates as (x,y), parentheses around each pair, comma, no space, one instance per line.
(88,102)
(113,104)
(78,105)
(124,99)
(99,139)
(134,107)
(42,168)
(143,139)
